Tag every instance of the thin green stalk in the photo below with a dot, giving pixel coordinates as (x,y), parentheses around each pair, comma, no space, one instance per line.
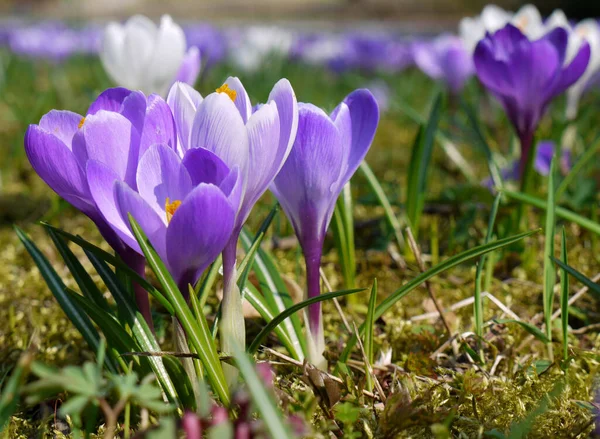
(589,154)
(549,274)
(564,297)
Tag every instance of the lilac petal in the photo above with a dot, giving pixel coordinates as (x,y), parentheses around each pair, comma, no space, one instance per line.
(233,187)
(219,128)
(129,202)
(109,100)
(310,172)
(364,115)
(205,166)
(62,124)
(266,157)
(458,65)
(492,72)
(242,100)
(111,139)
(427,60)
(134,109)
(543,157)
(190,67)
(162,176)
(159,125)
(58,167)
(287,107)
(198,232)
(183,101)
(559,38)
(101,179)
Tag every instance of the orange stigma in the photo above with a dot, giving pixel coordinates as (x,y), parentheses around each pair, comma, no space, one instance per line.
(228,91)
(171,208)
(81,122)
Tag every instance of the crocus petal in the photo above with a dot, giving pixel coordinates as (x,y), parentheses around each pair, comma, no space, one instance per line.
(198,232)
(205,166)
(287,107)
(58,167)
(575,69)
(183,101)
(312,168)
(159,125)
(138,46)
(167,54)
(266,158)
(219,128)
(111,53)
(427,61)
(190,67)
(62,124)
(109,100)
(131,203)
(162,176)
(134,109)
(111,139)
(242,100)
(543,157)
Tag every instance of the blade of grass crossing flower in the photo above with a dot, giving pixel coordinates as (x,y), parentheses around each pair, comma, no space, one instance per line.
(139,328)
(344,231)
(449,263)
(564,296)
(263,402)
(81,276)
(561,212)
(368,337)
(115,262)
(197,330)
(422,151)
(390,216)
(290,311)
(277,295)
(77,316)
(478,301)
(549,275)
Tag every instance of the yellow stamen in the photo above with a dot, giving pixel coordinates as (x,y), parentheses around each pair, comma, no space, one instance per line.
(81,122)
(228,91)
(171,208)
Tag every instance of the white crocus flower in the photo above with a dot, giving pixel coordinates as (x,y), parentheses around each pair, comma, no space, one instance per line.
(585,31)
(257,43)
(141,56)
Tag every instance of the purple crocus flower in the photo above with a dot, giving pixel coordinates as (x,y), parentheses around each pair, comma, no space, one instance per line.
(325,155)
(257,142)
(190,67)
(526,75)
(119,126)
(445,58)
(186,207)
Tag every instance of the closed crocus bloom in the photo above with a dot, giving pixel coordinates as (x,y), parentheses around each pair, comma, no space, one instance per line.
(526,75)
(119,125)
(325,155)
(445,59)
(190,67)
(186,207)
(258,142)
(141,56)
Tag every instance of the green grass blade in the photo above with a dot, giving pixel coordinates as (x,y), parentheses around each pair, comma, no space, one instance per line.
(139,328)
(83,279)
(77,316)
(478,301)
(197,330)
(115,262)
(564,296)
(263,402)
(549,275)
(589,154)
(419,165)
(559,211)
(533,330)
(451,262)
(369,336)
(9,398)
(204,287)
(290,311)
(593,287)
(390,216)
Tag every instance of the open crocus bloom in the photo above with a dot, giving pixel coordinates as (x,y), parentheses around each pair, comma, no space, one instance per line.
(526,75)
(186,207)
(141,56)
(445,58)
(325,155)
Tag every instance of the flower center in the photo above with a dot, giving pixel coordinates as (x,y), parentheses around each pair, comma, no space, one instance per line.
(228,91)
(171,208)
(81,122)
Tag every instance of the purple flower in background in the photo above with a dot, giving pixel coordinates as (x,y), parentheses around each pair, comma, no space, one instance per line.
(190,67)
(257,142)
(186,207)
(118,128)
(526,75)
(445,58)
(325,155)
(209,40)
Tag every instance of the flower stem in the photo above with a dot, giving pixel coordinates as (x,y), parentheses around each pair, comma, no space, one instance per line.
(525,171)
(316,339)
